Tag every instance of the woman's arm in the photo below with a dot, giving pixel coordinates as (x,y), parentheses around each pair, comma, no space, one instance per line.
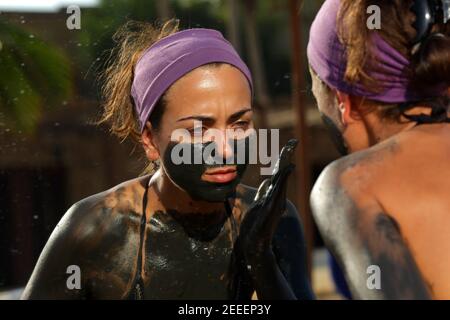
(289,247)
(97,240)
(51,276)
(280,272)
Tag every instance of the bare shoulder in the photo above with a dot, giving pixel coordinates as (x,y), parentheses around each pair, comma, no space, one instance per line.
(362,176)
(360,168)
(94,234)
(100,213)
(350,181)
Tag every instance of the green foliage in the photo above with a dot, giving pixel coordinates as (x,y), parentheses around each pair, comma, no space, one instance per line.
(33,76)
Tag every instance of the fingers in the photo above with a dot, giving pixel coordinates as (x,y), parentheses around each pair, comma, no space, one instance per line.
(252,213)
(262,190)
(270,200)
(283,164)
(284,160)
(277,193)
(288,149)
(274,205)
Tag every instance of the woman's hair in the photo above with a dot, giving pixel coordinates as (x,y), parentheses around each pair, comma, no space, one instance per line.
(131,40)
(430,65)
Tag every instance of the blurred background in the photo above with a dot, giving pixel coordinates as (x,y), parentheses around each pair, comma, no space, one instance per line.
(52,156)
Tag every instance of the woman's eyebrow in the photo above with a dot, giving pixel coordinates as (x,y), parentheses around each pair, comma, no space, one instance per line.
(239,113)
(205,118)
(197,117)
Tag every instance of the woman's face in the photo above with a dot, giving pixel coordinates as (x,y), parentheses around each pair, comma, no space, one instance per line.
(208,101)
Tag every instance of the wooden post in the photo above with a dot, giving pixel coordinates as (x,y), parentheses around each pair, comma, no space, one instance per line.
(233,28)
(303,170)
(163,9)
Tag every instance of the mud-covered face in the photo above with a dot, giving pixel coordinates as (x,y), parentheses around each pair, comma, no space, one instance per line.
(212,98)
(328,108)
(211,178)
(335,134)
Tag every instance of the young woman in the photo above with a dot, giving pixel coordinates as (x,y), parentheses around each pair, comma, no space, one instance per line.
(384,208)
(190,230)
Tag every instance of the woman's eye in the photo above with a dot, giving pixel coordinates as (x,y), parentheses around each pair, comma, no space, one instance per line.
(197,131)
(242,124)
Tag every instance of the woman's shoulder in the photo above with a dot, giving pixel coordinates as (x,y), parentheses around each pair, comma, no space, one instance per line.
(105,210)
(126,195)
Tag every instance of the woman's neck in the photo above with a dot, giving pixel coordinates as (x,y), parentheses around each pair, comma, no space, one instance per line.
(380,129)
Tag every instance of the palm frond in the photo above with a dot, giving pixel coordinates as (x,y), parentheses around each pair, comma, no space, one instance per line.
(34,76)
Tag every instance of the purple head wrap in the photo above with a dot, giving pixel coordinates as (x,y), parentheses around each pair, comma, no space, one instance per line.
(327,57)
(172,57)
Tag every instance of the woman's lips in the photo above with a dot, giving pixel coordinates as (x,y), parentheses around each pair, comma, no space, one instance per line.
(220,175)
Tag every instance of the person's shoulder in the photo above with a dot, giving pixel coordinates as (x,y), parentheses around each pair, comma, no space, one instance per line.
(357,171)
(100,212)
(126,196)
(340,175)
(350,182)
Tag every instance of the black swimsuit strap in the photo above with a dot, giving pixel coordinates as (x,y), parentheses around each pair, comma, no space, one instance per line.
(439,114)
(137,292)
(238,281)
(234,227)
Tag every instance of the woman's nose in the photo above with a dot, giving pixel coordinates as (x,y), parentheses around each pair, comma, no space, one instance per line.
(224,147)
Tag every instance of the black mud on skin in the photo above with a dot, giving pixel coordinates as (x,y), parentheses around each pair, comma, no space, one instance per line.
(184,260)
(187,176)
(335,135)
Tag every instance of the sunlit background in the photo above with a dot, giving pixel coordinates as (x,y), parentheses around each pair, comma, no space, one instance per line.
(43,6)
(51,153)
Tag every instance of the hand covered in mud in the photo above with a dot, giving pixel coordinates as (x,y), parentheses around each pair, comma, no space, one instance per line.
(261,220)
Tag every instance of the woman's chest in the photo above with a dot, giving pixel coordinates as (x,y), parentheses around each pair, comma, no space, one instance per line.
(177,265)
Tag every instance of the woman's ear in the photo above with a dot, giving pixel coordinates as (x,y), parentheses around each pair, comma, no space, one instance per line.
(148,138)
(347,108)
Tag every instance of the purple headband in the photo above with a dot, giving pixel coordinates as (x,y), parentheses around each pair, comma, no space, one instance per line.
(171,58)
(326,55)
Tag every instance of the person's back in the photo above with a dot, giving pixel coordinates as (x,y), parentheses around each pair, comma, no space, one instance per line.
(384,208)
(414,187)
(408,177)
